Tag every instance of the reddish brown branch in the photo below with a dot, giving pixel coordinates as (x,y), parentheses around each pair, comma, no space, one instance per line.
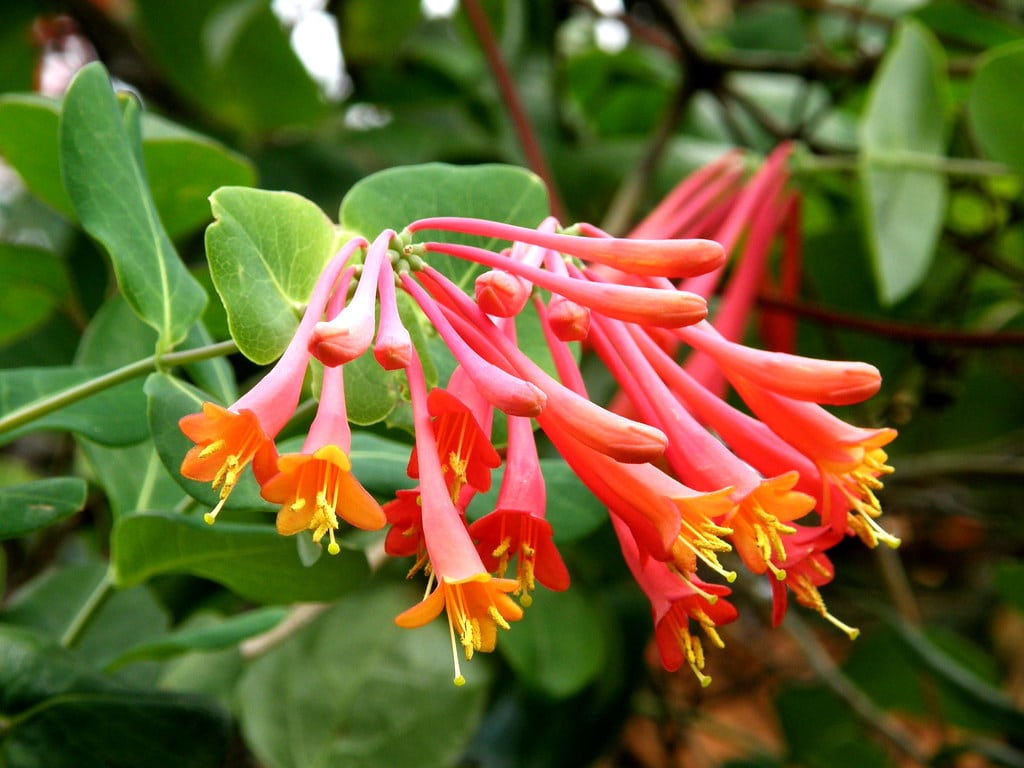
(521,123)
(899,331)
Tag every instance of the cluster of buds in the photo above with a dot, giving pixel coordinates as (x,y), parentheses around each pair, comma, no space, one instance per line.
(685,476)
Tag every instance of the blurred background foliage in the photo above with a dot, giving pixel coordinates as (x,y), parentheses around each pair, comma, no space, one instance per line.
(909,128)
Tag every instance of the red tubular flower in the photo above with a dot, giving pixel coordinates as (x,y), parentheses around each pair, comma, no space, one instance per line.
(316,487)
(506,391)
(465,452)
(405,537)
(850,459)
(228,439)
(807,568)
(674,602)
(668,258)
(476,603)
(516,527)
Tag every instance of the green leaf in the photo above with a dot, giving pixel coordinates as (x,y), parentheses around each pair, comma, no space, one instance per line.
(992,108)
(27,507)
(133,477)
(184,169)
(380,463)
(99,159)
(266,250)
(171,398)
(903,139)
(215,636)
(386,698)
(33,283)
(28,142)
(50,603)
(251,560)
(115,416)
(396,197)
(57,711)
(560,646)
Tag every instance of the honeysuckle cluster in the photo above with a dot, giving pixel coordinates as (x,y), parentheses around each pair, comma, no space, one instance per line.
(693,485)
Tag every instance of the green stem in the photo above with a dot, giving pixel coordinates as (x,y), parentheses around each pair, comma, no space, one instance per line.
(40,408)
(89,609)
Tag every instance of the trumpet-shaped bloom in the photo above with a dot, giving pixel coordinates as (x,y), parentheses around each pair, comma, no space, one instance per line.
(228,439)
(226,442)
(516,527)
(317,489)
(675,601)
(476,603)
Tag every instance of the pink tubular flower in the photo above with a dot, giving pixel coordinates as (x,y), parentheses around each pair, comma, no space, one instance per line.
(635,304)
(667,258)
(516,527)
(477,604)
(393,348)
(228,439)
(620,438)
(829,382)
(506,391)
(316,487)
(350,332)
(674,602)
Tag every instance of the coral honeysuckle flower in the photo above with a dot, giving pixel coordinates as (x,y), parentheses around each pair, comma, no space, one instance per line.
(316,487)
(516,527)
(620,438)
(349,333)
(226,442)
(807,568)
(674,602)
(632,303)
(477,604)
(506,391)
(830,382)
(850,459)
(229,439)
(405,537)
(668,258)
(464,449)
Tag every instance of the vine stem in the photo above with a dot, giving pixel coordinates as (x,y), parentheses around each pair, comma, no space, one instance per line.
(40,408)
(103,589)
(503,79)
(899,331)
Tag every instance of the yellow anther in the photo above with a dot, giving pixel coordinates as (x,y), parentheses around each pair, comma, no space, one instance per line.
(502,548)
(211,449)
(779,573)
(493,612)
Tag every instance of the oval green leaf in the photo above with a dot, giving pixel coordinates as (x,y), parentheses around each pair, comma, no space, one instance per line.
(29,507)
(266,250)
(903,137)
(993,105)
(100,161)
(253,561)
(384,695)
(399,196)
